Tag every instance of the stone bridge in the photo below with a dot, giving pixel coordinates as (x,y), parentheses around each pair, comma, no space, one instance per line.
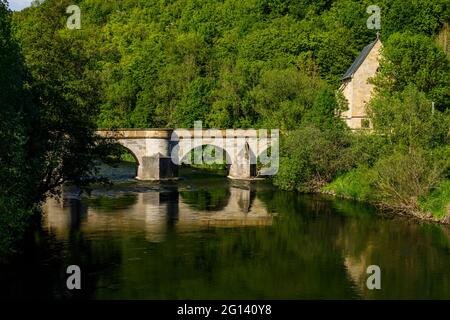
(159,152)
(158,212)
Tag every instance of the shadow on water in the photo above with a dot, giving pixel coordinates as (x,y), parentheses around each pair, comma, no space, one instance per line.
(221,239)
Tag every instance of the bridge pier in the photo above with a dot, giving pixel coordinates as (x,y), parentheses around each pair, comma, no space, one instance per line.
(157,167)
(156,163)
(242,171)
(243,164)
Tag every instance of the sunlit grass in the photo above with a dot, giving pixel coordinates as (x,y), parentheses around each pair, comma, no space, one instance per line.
(438,201)
(355,184)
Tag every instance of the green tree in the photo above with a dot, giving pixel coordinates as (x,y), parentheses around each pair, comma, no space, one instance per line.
(407,119)
(403,179)
(311,157)
(18,181)
(284,97)
(415,59)
(416,16)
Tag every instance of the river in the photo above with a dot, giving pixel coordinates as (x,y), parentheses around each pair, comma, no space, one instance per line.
(206,237)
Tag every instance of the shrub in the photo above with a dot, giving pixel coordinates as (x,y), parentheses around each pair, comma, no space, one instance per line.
(312,157)
(406,119)
(403,178)
(438,201)
(367,148)
(356,184)
(14,221)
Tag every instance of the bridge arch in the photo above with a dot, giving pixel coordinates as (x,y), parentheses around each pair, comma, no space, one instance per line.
(129,151)
(201,150)
(207,199)
(133,155)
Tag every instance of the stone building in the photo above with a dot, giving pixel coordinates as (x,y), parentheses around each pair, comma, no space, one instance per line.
(356,87)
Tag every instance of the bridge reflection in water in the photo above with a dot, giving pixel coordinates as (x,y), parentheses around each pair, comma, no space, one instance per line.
(155,212)
(189,240)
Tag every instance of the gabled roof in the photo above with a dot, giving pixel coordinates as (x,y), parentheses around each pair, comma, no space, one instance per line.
(357,63)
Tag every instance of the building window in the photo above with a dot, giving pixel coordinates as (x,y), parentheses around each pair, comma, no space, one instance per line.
(365,123)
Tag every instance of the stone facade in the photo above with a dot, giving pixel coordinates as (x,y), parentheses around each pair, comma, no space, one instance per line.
(357,89)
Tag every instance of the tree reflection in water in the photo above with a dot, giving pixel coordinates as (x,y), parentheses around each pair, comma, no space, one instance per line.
(220,240)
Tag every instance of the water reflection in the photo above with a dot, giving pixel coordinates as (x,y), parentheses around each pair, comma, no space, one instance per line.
(216,240)
(156,212)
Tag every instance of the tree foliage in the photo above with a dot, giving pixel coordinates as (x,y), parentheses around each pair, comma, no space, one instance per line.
(230,63)
(166,63)
(18,181)
(46,120)
(415,59)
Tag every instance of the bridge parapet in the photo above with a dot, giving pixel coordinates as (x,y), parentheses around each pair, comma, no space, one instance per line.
(136,133)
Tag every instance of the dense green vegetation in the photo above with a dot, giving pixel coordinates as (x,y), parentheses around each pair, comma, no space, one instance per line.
(229,63)
(410,171)
(15,175)
(47,137)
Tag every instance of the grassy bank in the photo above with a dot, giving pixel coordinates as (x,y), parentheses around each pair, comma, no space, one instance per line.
(438,202)
(360,184)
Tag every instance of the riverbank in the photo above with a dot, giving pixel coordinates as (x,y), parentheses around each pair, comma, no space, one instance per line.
(158,240)
(356,185)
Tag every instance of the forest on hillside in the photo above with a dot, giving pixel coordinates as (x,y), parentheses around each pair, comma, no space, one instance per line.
(140,63)
(230,64)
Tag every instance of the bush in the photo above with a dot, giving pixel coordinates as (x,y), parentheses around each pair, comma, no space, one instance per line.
(367,148)
(406,119)
(14,221)
(438,202)
(412,59)
(406,182)
(356,184)
(312,157)
(404,178)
